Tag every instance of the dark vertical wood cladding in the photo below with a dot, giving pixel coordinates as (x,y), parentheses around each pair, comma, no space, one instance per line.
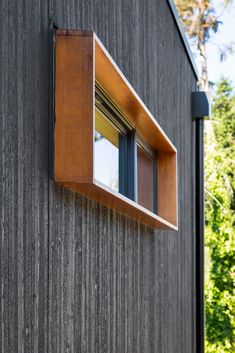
(24,176)
(76,276)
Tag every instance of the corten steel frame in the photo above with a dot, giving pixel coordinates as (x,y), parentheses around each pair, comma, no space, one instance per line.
(80,61)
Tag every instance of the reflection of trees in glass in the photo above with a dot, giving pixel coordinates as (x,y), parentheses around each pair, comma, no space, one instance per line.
(98,136)
(106,151)
(113,184)
(106,162)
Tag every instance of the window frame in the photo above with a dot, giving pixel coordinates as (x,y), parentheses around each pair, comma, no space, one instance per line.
(127,143)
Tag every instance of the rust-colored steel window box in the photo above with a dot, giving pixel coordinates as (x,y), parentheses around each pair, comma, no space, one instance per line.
(107,145)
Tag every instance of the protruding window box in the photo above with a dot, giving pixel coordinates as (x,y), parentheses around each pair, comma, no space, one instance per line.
(98,114)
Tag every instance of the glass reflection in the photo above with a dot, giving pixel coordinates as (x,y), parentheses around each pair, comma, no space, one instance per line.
(145,178)
(106,151)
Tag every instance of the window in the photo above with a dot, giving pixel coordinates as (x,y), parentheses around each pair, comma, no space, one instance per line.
(146,162)
(116,149)
(107,145)
(106,151)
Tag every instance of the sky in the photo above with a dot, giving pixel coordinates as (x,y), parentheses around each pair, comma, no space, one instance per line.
(224,36)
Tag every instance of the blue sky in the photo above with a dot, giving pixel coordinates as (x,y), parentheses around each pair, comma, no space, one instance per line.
(224,36)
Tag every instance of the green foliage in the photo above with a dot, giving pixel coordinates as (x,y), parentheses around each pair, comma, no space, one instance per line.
(200,21)
(220,222)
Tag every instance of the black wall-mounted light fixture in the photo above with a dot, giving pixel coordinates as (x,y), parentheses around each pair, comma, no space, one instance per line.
(201,106)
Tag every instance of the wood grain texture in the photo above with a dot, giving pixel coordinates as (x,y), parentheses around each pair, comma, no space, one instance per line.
(24,62)
(113,285)
(104,195)
(131,289)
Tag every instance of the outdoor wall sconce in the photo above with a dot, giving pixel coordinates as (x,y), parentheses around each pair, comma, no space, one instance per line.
(201,106)
(107,145)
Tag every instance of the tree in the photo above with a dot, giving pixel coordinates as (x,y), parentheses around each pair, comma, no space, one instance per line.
(200,21)
(220,224)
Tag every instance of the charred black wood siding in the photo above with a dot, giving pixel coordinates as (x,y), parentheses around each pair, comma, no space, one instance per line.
(76,276)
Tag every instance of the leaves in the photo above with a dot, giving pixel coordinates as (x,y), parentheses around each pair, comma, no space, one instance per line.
(199,18)
(201,21)
(220,222)
(226,50)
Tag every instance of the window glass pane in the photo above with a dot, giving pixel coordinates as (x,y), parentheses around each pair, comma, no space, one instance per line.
(145,165)
(106,151)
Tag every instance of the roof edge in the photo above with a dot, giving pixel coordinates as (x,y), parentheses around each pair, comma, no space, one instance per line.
(183,37)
